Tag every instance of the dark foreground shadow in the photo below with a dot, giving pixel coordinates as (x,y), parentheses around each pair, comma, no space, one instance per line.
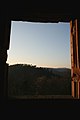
(39,106)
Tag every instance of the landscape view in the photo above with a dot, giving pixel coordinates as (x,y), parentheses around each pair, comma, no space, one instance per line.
(39,59)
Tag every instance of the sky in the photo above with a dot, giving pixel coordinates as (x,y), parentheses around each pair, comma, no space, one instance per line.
(40,44)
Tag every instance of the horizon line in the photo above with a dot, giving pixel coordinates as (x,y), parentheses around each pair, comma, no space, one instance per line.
(37,65)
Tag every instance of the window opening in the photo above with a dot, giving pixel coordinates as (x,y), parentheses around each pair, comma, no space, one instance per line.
(39,59)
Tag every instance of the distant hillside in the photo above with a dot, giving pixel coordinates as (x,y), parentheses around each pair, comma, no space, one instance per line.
(24,79)
(61,71)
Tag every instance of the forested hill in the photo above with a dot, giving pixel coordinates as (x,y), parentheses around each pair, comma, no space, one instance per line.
(24,79)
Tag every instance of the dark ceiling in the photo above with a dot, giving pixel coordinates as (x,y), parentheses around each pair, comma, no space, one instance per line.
(40,13)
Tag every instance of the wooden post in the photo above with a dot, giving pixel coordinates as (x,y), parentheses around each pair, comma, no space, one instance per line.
(75,56)
(78,90)
(72,57)
(73,88)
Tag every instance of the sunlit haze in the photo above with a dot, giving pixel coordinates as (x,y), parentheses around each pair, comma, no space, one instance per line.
(40,44)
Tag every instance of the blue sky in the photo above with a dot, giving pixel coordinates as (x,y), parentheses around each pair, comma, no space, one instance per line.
(40,44)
